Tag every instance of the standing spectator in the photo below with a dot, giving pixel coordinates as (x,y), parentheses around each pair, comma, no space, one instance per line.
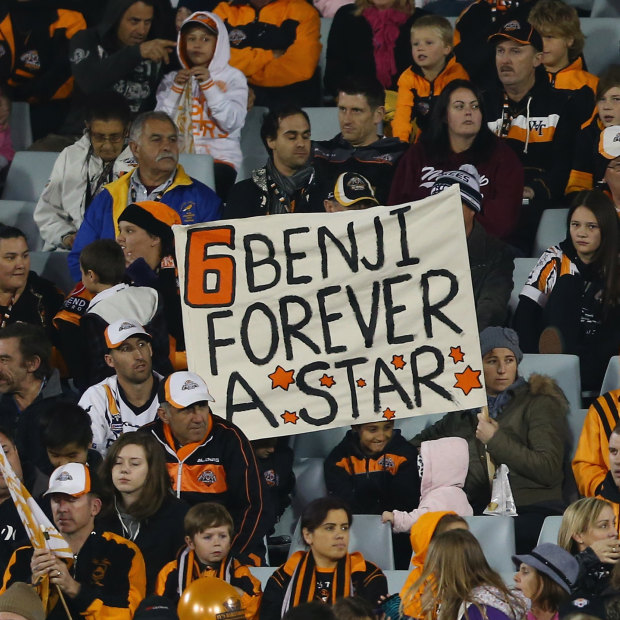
(370,39)
(287,183)
(358,147)
(458,134)
(434,66)
(275,43)
(158,176)
(207,98)
(143,509)
(569,303)
(81,171)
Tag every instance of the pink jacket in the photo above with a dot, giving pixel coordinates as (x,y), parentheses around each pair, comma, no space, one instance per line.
(445,462)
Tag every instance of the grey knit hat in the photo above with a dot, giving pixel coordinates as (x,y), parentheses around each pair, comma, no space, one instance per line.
(553,561)
(500,338)
(22,599)
(468,180)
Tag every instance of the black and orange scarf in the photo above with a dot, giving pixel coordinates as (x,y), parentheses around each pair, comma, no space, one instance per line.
(189,569)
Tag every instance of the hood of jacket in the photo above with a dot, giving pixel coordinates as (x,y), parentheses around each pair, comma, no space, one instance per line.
(111,17)
(542,385)
(445,463)
(221,55)
(421,533)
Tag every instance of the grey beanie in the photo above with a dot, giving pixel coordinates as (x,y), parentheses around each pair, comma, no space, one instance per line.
(468,180)
(500,338)
(22,599)
(553,561)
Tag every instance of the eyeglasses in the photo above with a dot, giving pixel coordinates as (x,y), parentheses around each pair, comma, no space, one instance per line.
(113,138)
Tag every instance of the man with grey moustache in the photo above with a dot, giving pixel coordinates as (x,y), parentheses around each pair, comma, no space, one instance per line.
(158,177)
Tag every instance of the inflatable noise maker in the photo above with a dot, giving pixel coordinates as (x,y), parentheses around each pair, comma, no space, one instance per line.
(210,598)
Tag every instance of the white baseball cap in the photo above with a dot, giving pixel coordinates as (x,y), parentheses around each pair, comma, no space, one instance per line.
(71,479)
(183,389)
(609,142)
(116,333)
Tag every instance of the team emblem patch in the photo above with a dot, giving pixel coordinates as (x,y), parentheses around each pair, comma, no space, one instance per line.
(125,325)
(512,25)
(189,385)
(64,475)
(31,60)
(356,184)
(208,477)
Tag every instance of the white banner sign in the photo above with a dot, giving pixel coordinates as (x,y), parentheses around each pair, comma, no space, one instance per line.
(301,322)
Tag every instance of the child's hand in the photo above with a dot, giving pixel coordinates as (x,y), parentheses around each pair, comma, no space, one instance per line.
(200,73)
(387,517)
(182,76)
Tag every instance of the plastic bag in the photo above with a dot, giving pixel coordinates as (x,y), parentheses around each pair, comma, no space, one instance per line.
(502,502)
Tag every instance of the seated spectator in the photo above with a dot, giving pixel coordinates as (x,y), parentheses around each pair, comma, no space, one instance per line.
(12,532)
(569,301)
(358,147)
(442,464)
(24,296)
(589,531)
(209,458)
(34,64)
(429,525)
(21,602)
(526,430)
(107,578)
(612,178)
(29,386)
(319,573)
(118,55)
(128,399)
(546,577)
(563,41)
(370,39)
(287,183)
(490,261)
(158,176)
(457,135)
(81,171)
(433,67)
(7,152)
(209,530)
(143,509)
(457,576)
(589,161)
(351,192)
(276,45)
(610,487)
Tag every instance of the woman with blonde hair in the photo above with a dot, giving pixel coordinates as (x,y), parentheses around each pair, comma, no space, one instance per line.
(589,531)
(457,583)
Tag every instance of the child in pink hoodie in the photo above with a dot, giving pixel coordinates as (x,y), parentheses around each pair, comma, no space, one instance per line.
(443,467)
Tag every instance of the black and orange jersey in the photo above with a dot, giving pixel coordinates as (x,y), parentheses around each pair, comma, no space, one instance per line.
(220,468)
(34,52)
(110,571)
(372,484)
(589,166)
(574,77)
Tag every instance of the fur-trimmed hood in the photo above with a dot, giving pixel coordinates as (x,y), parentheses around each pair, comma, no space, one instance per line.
(543,385)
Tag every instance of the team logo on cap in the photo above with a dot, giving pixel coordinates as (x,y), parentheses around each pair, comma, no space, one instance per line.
(356,184)
(581,602)
(616,137)
(189,385)
(63,476)
(125,325)
(513,25)
(208,477)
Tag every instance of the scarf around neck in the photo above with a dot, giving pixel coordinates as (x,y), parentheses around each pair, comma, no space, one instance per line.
(282,189)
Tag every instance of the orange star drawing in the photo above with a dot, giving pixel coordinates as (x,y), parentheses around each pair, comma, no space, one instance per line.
(281,378)
(388,413)
(398,362)
(327,381)
(290,417)
(456,354)
(361,383)
(467,380)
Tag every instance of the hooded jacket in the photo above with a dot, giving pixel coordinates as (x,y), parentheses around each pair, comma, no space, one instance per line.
(444,469)
(574,77)
(589,166)
(218,106)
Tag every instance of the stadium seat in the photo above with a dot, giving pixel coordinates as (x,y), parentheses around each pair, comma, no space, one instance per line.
(496,536)
(326,24)
(396,580)
(21,131)
(199,167)
(549,530)
(323,122)
(368,535)
(611,380)
(262,573)
(576,418)
(602,37)
(28,175)
(410,427)
(54,267)
(523,268)
(563,368)
(551,230)
(605,8)
(310,482)
(319,443)
(252,147)
(19,213)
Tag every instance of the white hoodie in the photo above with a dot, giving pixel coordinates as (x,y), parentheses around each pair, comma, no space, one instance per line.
(219,106)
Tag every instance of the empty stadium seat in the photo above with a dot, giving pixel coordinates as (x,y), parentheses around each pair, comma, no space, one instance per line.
(549,530)
(396,580)
(28,175)
(19,213)
(319,443)
(310,482)
(262,573)
(323,122)
(611,380)
(563,368)
(523,268)
(54,267)
(410,427)
(252,147)
(496,536)
(326,24)
(551,230)
(576,419)
(605,8)
(602,37)
(368,535)
(21,130)
(199,167)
